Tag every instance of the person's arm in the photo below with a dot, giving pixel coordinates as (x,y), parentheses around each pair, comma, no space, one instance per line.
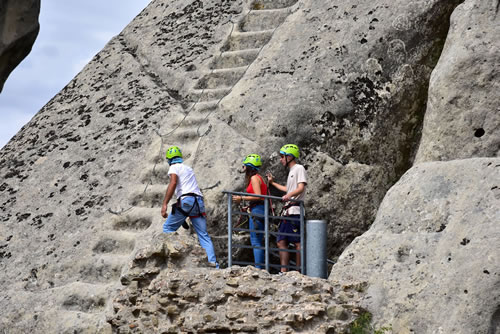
(278,186)
(300,189)
(256,182)
(168,194)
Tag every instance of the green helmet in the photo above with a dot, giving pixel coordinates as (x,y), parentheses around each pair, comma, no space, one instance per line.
(253,160)
(173,152)
(290,149)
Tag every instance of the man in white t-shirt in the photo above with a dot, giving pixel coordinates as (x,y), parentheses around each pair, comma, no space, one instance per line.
(295,189)
(189,202)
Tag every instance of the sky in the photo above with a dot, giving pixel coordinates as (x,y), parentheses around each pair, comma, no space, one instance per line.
(71,33)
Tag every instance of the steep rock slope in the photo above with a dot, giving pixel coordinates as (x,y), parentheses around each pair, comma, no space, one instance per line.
(18,30)
(81,158)
(82,183)
(430,259)
(463,111)
(348,83)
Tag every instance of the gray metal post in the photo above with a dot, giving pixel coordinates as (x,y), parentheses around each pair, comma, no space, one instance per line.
(303,241)
(229,232)
(316,236)
(266,230)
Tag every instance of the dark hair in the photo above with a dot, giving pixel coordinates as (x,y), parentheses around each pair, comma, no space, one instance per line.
(249,172)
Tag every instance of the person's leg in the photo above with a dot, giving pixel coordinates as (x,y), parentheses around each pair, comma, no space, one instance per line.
(174,220)
(282,242)
(297,247)
(256,239)
(284,256)
(200,226)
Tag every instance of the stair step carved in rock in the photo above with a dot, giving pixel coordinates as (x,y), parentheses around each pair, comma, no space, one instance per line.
(151,198)
(271,4)
(247,40)
(230,59)
(221,78)
(87,298)
(204,95)
(261,20)
(117,242)
(102,269)
(157,174)
(138,219)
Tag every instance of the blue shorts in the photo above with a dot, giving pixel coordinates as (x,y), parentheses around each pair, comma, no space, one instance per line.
(290,226)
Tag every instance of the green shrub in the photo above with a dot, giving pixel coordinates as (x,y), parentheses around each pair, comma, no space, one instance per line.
(362,325)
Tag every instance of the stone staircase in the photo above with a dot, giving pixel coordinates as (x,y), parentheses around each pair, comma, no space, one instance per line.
(114,248)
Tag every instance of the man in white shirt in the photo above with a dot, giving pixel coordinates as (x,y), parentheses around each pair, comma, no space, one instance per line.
(189,202)
(295,189)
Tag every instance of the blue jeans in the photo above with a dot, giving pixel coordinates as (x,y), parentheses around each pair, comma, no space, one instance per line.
(175,220)
(256,239)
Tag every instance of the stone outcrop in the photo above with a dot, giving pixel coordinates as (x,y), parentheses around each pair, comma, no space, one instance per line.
(187,298)
(463,111)
(430,259)
(18,30)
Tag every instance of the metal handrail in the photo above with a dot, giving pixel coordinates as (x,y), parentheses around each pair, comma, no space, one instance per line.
(266,231)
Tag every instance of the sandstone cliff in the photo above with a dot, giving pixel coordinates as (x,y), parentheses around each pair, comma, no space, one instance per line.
(18,30)
(348,82)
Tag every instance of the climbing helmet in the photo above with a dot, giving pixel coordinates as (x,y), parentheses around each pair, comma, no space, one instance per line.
(173,152)
(290,149)
(253,160)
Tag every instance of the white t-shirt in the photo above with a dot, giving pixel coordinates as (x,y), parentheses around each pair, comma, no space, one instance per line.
(186,182)
(296,175)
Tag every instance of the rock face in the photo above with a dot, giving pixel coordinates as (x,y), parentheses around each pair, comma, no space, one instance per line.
(184,297)
(346,82)
(463,111)
(430,258)
(82,183)
(18,30)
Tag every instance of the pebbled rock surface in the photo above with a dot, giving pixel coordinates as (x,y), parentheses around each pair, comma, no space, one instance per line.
(463,111)
(18,30)
(430,259)
(187,298)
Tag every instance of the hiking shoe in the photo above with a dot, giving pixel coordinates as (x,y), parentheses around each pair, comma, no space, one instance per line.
(185,225)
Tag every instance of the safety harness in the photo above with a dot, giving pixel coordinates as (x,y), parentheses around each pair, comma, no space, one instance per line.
(178,207)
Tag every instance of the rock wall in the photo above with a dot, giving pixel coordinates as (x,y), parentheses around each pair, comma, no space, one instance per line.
(463,116)
(82,183)
(430,259)
(348,84)
(18,30)
(81,157)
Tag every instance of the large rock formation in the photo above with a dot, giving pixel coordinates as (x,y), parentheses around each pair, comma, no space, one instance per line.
(82,183)
(185,297)
(18,30)
(463,111)
(430,259)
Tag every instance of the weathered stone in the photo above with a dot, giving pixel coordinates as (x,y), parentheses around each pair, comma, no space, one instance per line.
(240,311)
(463,111)
(433,244)
(18,30)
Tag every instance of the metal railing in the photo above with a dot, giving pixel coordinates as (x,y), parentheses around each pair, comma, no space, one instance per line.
(266,232)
